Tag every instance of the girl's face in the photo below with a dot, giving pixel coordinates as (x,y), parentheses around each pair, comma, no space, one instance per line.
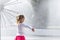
(22,20)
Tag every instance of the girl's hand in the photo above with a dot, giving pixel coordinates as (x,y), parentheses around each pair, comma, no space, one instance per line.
(33,29)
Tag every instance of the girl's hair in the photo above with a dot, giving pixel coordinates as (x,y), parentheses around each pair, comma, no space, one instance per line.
(19,18)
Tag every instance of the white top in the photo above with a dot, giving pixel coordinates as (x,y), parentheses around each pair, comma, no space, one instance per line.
(20,28)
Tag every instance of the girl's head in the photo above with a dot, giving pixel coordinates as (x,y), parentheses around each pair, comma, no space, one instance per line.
(20,19)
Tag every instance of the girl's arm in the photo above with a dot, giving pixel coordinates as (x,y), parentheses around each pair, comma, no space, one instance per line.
(30,27)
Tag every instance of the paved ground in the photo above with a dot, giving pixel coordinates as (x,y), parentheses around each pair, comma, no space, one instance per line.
(32,38)
(8,33)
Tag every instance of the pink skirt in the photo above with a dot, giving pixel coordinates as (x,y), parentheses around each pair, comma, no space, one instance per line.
(20,38)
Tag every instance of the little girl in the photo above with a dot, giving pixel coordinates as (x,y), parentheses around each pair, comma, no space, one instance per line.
(20,20)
